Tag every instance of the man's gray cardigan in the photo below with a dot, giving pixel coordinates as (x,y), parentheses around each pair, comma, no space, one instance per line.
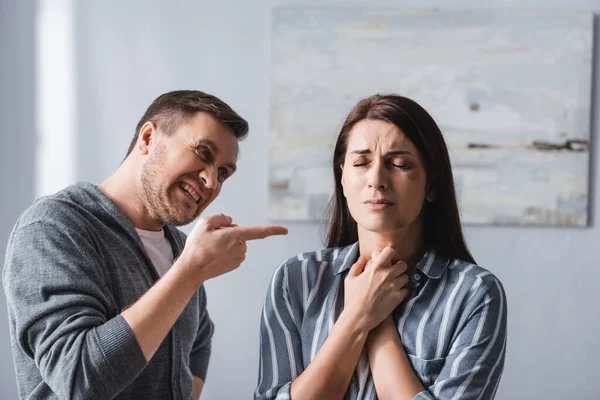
(73,263)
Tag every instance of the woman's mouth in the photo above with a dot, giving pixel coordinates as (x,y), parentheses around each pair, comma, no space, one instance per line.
(378,204)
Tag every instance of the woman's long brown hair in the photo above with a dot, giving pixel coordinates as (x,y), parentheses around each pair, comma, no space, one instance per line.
(442,228)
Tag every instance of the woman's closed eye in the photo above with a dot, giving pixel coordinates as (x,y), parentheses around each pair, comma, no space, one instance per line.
(401,165)
(395,164)
(361,162)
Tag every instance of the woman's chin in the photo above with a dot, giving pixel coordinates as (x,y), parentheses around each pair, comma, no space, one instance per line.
(381,227)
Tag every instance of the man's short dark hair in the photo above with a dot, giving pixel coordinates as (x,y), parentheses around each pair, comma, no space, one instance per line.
(172,109)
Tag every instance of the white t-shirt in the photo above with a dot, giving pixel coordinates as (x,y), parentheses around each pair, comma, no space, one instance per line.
(159,249)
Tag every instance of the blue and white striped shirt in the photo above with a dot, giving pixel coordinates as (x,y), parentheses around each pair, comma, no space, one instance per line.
(452,325)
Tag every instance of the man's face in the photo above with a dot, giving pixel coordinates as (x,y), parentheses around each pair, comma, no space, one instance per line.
(183,173)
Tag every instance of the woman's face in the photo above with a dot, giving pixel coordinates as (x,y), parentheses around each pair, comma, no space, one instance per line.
(383,178)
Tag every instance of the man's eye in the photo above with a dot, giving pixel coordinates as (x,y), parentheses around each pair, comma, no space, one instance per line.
(202,151)
(223,174)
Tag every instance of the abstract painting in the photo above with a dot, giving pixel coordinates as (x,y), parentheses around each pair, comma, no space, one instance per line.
(511,92)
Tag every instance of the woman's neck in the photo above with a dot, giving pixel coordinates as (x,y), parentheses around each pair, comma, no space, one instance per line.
(408,244)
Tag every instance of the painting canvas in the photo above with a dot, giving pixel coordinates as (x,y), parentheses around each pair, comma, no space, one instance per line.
(511,92)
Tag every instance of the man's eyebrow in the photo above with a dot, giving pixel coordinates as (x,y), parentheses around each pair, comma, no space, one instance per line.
(213,147)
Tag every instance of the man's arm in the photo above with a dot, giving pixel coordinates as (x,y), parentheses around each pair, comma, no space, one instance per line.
(213,248)
(198,385)
(200,354)
(59,302)
(154,314)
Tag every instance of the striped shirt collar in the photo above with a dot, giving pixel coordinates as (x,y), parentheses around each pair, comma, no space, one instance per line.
(430,265)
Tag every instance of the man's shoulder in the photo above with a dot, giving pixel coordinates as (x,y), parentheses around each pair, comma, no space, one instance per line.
(64,207)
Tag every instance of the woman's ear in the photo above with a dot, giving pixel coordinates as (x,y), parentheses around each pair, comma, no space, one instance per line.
(430,196)
(342,179)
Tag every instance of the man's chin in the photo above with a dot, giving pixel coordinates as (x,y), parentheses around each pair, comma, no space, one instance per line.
(184,215)
(178,220)
(185,220)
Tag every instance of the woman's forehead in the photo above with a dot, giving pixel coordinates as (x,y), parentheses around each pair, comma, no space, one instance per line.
(376,133)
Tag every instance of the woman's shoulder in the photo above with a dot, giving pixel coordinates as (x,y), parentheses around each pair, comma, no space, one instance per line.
(474,276)
(329,254)
(318,263)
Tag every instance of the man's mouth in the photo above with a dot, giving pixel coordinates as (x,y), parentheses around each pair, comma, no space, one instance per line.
(191,191)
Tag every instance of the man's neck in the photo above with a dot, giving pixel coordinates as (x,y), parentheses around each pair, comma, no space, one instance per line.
(122,189)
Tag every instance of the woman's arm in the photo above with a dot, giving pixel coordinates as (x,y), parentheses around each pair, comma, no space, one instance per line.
(329,373)
(471,370)
(369,296)
(392,373)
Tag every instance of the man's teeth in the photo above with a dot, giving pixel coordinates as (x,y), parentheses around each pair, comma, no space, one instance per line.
(191,191)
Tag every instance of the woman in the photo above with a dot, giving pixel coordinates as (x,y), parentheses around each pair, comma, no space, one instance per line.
(395,307)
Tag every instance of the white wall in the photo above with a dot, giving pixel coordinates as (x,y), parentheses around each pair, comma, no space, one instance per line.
(129,52)
(17,144)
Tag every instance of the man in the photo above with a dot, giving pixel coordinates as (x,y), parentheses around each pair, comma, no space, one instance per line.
(105,297)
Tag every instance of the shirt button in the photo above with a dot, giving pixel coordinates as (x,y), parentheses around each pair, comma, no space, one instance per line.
(417,277)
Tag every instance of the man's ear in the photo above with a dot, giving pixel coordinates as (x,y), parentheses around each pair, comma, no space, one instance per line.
(146,137)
